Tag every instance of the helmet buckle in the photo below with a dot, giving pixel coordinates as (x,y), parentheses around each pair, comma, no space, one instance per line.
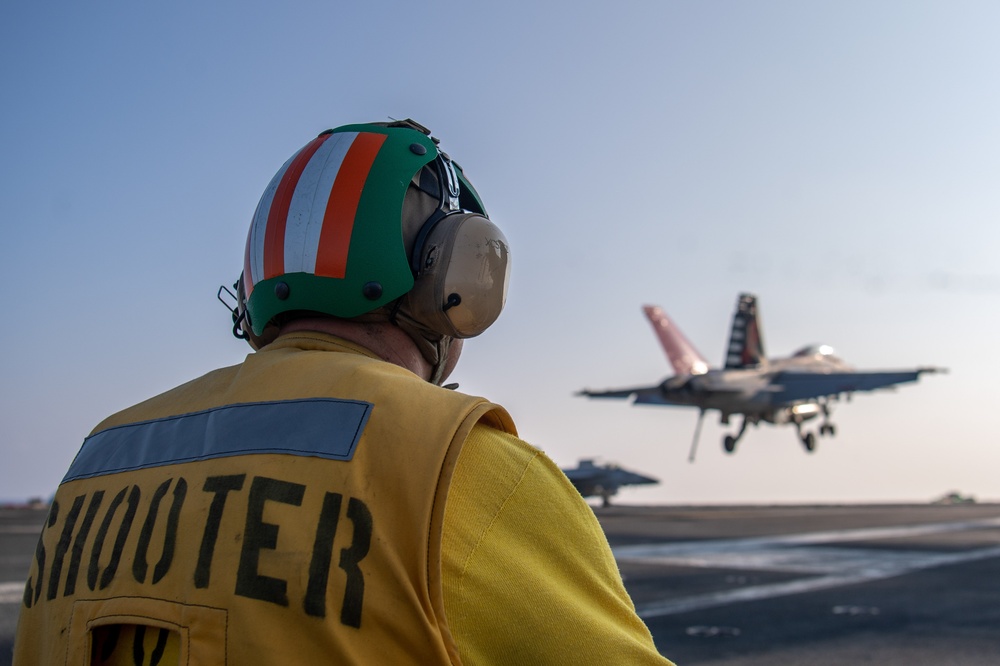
(451,178)
(234,310)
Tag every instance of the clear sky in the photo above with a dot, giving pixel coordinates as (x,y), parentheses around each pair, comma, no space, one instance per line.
(839,159)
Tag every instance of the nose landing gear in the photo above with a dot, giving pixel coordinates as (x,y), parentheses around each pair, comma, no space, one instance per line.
(826,428)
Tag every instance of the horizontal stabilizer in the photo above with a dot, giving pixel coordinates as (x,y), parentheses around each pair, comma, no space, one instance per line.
(652,396)
(644,395)
(618,393)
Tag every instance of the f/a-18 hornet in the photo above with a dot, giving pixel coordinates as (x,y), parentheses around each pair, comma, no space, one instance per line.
(778,390)
(603,481)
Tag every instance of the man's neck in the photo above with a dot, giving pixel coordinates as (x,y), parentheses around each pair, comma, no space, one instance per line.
(383,339)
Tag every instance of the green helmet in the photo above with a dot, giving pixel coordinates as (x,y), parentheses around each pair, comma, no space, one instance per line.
(362,216)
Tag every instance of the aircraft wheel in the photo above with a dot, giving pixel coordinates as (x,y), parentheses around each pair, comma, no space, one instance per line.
(832,429)
(729,443)
(809,441)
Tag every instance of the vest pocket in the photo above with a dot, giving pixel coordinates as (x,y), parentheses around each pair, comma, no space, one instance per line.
(136,631)
(134,645)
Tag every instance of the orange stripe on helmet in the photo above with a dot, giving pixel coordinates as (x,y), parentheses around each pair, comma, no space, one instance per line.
(277,216)
(338,220)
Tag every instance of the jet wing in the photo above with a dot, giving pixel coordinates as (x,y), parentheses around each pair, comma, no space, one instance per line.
(610,477)
(644,395)
(590,479)
(794,386)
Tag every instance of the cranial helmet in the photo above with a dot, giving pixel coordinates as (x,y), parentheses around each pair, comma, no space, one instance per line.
(373,221)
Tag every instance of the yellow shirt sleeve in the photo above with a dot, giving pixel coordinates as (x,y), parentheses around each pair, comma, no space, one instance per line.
(527,572)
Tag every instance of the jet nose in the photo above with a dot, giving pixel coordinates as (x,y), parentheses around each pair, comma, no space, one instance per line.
(639,479)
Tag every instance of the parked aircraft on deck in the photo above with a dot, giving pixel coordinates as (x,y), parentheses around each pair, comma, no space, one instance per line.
(603,481)
(792,390)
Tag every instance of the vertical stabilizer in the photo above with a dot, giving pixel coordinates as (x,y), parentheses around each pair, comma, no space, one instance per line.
(746,346)
(684,358)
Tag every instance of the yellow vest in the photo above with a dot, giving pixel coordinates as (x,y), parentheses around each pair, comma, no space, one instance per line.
(286,510)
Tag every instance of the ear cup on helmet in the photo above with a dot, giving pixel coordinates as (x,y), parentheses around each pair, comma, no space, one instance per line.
(462,269)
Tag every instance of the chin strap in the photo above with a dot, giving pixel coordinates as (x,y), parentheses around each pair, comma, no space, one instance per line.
(437,372)
(434,347)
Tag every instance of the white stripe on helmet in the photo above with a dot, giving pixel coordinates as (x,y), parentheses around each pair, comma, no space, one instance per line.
(309,202)
(258,229)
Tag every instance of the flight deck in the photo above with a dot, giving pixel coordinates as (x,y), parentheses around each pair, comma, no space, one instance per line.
(816,585)
(754,585)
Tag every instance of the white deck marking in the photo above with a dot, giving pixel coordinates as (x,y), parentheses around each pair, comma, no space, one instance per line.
(20,529)
(800,553)
(11,592)
(797,553)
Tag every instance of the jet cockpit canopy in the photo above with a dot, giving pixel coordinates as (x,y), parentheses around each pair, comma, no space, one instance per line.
(815,350)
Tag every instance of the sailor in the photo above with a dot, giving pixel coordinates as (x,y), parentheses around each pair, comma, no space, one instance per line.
(330,500)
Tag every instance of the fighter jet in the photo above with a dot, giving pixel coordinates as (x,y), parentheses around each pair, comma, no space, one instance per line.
(792,390)
(603,481)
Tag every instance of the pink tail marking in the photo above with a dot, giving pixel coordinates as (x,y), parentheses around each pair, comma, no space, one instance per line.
(684,358)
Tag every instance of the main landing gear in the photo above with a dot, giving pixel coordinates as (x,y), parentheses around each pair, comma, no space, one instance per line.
(729,443)
(808,439)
